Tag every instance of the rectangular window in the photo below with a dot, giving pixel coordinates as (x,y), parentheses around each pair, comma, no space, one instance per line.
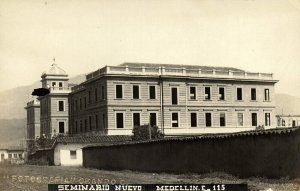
(239,94)
(85,124)
(174,96)
(221,93)
(153,119)
(240,119)
(193,119)
(89,96)
(119,91)
(81,130)
(84,102)
(152,92)
(267,119)
(175,122)
(20,156)
(76,127)
(76,105)
(135,92)
(2,156)
(208,119)
(80,104)
(136,119)
(222,120)
(283,122)
(9,156)
(253,94)
(73,154)
(96,94)
(267,95)
(90,122)
(60,85)
(278,122)
(15,155)
(53,84)
(254,119)
(96,120)
(193,93)
(61,127)
(207,93)
(103,92)
(103,120)
(120,120)
(61,106)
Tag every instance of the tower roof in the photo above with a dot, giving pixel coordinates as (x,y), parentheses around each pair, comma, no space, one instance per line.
(55,70)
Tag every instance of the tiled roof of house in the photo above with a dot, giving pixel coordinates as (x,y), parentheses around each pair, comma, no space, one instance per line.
(94,139)
(276,131)
(11,148)
(272,131)
(152,65)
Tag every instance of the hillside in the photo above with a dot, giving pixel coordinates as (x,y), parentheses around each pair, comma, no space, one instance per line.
(287,104)
(12,132)
(14,100)
(13,114)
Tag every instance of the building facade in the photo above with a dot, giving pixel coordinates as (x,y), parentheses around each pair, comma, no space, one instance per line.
(33,119)
(288,120)
(179,100)
(54,112)
(12,155)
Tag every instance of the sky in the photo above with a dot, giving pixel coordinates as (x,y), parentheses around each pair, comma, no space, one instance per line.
(84,35)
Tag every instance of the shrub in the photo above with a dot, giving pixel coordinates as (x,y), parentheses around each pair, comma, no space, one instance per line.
(142,133)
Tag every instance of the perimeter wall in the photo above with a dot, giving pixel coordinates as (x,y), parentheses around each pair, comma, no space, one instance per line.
(267,154)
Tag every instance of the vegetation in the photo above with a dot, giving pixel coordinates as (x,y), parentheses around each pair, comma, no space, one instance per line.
(44,142)
(145,131)
(78,175)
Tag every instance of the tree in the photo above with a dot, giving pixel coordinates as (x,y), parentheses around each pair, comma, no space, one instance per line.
(142,133)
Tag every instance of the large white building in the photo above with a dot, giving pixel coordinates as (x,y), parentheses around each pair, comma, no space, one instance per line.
(180,100)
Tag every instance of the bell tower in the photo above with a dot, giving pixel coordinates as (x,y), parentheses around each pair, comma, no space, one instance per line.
(54,116)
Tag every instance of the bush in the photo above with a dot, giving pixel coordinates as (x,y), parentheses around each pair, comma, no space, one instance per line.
(43,142)
(142,133)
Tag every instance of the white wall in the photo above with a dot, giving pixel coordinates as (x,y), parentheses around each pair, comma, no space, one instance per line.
(5,152)
(66,160)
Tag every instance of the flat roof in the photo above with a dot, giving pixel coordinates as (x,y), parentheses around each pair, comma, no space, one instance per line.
(192,67)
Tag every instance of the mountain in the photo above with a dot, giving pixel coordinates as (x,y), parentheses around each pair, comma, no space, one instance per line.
(13,114)
(12,132)
(287,104)
(14,100)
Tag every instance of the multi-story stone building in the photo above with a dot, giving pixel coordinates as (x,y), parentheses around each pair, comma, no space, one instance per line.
(288,120)
(54,112)
(33,119)
(178,99)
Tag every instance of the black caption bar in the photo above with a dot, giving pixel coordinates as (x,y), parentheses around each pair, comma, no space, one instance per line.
(148,187)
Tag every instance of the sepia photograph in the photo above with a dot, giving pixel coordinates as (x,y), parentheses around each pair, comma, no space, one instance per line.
(149,95)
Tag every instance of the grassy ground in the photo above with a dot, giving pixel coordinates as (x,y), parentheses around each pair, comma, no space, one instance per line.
(36,178)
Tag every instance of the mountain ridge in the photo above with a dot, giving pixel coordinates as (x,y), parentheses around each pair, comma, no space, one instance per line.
(14,100)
